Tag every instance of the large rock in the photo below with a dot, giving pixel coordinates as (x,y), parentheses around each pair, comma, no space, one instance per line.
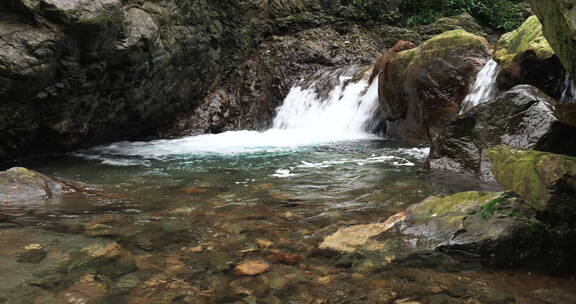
(19,185)
(523,117)
(559,20)
(526,57)
(422,88)
(547,181)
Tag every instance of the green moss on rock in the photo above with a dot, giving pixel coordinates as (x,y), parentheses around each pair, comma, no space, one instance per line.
(527,38)
(546,180)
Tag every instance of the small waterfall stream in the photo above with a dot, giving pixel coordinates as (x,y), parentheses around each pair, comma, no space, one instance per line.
(568,88)
(330,106)
(346,111)
(484,88)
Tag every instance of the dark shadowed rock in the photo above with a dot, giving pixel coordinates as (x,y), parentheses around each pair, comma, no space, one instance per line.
(523,117)
(21,185)
(424,87)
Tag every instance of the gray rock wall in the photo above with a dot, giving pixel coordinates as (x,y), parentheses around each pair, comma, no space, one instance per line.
(75,73)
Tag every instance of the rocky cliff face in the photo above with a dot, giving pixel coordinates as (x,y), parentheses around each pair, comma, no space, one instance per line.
(76,73)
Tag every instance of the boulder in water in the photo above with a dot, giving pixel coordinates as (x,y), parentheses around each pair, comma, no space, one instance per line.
(526,57)
(22,185)
(422,88)
(523,117)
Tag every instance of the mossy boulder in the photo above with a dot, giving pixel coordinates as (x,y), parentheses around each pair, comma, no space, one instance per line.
(523,117)
(527,38)
(499,228)
(20,185)
(526,57)
(445,221)
(559,25)
(421,89)
(545,180)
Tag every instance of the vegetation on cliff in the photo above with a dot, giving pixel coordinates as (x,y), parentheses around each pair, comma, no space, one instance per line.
(500,15)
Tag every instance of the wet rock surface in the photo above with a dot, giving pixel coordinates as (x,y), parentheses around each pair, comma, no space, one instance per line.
(495,228)
(523,117)
(499,227)
(423,88)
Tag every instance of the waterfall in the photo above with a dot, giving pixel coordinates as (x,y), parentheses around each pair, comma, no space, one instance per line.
(330,106)
(568,90)
(484,88)
(346,111)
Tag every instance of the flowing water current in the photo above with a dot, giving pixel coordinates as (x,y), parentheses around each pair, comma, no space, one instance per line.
(166,221)
(485,87)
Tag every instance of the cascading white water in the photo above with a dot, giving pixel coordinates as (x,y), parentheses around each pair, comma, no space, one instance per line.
(484,88)
(303,119)
(568,90)
(345,113)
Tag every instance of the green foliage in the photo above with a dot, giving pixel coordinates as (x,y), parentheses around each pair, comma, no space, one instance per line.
(489,209)
(501,15)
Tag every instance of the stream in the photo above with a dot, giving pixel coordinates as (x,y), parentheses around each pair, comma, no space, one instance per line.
(166,221)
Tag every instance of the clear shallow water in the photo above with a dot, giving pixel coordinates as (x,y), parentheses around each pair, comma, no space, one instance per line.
(167,221)
(174,227)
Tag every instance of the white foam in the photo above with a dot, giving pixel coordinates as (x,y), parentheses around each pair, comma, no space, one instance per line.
(282,173)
